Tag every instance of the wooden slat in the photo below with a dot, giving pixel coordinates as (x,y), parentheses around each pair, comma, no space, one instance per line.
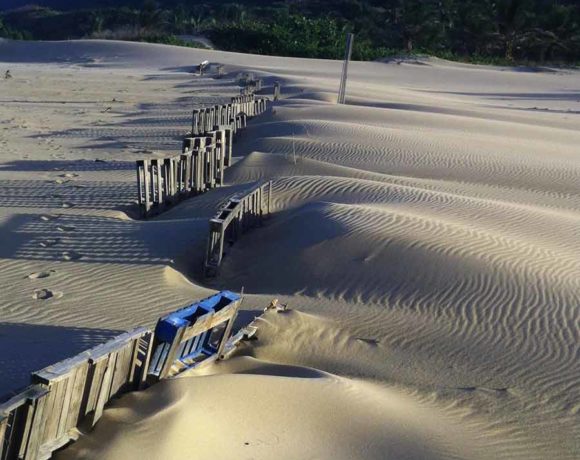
(99,369)
(104,388)
(122,370)
(53,405)
(148,349)
(166,369)
(79,388)
(228,331)
(203,323)
(36,430)
(3,435)
(133,363)
(68,385)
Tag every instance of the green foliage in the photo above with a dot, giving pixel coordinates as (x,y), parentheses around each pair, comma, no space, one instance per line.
(494,31)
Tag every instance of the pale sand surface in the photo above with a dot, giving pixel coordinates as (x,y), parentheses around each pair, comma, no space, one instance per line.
(426,237)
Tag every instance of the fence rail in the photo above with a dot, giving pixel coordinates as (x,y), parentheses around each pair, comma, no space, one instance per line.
(238,215)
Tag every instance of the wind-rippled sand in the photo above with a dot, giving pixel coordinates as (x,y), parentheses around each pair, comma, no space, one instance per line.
(426,238)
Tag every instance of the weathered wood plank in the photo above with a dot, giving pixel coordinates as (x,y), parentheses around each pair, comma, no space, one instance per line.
(67,392)
(171,354)
(3,435)
(79,388)
(37,423)
(105,388)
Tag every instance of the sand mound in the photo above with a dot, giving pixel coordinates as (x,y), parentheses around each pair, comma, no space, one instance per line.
(294,407)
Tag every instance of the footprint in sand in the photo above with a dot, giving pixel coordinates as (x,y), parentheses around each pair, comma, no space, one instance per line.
(48,243)
(40,275)
(71,255)
(66,228)
(45,294)
(48,217)
(373,342)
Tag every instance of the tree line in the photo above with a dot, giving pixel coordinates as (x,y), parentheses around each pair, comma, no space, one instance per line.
(495,31)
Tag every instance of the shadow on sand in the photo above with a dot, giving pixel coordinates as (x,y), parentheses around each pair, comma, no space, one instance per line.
(25,348)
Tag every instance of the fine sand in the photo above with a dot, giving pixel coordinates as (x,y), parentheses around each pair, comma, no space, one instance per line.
(426,238)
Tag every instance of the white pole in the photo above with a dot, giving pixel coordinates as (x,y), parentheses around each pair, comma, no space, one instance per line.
(347,54)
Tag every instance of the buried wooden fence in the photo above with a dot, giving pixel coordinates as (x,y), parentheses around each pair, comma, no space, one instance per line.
(239,215)
(72,394)
(45,417)
(206,153)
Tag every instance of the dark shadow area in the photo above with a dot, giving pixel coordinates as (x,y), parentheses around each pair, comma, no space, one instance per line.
(88,239)
(78,194)
(67,165)
(244,318)
(25,348)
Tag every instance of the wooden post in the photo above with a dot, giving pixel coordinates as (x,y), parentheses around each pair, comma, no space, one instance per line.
(146,182)
(347,54)
(220,152)
(195,122)
(228,147)
(187,173)
(159,182)
(140,185)
(269,196)
(193,171)
(166,172)
(207,121)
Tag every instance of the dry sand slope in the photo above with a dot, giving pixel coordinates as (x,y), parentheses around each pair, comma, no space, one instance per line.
(426,237)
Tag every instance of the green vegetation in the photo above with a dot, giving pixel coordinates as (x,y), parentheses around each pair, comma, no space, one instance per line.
(487,31)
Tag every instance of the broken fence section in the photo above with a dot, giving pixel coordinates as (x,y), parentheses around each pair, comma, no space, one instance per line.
(193,334)
(73,393)
(240,214)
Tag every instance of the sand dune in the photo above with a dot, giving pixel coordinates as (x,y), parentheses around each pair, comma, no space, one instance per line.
(426,237)
(386,422)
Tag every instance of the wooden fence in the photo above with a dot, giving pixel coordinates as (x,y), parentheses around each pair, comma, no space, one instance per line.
(239,215)
(45,417)
(206,152)
(73,393)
